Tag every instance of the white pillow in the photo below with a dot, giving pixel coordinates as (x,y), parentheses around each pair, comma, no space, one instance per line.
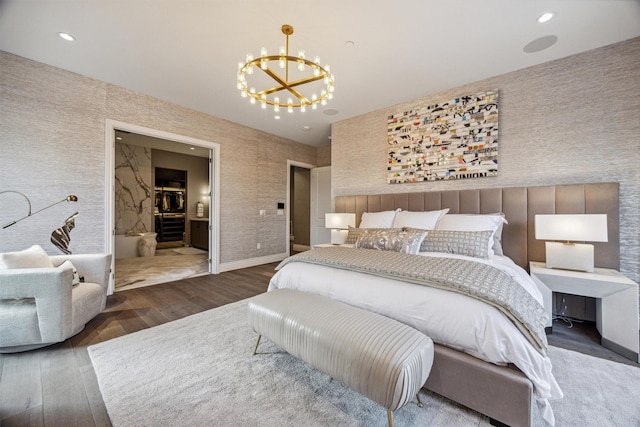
(382,219)
(473,222)
(422,220)
(68,264)
(34,257)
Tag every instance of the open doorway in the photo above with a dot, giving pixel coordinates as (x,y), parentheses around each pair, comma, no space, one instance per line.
(308,199)
(163,204)
(299,209)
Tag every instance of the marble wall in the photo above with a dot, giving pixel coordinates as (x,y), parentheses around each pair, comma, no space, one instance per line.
(133,189)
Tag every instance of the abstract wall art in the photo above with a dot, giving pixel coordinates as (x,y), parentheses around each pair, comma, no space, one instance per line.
(457,139)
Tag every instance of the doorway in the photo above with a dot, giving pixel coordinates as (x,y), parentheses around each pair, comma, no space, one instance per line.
(316,194)
(300,209)
(200,195)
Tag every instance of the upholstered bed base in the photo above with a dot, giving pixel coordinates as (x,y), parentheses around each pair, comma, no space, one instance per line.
(502,393)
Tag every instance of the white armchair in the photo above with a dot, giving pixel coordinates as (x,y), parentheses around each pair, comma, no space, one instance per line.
(41,306)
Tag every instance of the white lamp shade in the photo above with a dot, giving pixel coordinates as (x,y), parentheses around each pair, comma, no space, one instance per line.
(339,221)
(572,228)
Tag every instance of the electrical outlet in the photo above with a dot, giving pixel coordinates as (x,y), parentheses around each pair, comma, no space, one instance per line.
(259,246)
(263,212)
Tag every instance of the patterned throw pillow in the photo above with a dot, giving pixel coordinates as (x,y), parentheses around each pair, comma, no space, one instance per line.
(477,222)
(355,233)
(469,243)
(407,242)
(68,264)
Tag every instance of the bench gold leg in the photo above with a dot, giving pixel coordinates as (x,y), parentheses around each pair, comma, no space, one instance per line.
(255,350)
(390,416)
(420,405)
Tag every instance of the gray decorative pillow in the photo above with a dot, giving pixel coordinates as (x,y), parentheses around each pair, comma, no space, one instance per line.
(355,233)
(397,240)
(469,243)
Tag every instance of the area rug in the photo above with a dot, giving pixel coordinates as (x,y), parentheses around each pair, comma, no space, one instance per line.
(199,371)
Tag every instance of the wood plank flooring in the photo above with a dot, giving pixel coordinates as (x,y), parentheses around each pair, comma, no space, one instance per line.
(56,385)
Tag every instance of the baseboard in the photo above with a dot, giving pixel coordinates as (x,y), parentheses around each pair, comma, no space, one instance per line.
(251,262)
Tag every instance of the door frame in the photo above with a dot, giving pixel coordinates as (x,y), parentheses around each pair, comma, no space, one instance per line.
(287,228)
(214,185)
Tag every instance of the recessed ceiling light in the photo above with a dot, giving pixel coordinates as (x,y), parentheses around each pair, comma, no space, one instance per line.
(349,43)
(67,36)
(306,128)
(545,17)
(277,117)
(330,112)
(192,148)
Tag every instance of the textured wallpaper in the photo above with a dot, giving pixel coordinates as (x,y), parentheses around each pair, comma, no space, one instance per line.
(573,120)
(52,143)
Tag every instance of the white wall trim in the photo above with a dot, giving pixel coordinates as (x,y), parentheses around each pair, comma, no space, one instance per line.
(252,262)
(214,208)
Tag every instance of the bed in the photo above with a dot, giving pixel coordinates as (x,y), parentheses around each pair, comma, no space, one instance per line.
(504,384)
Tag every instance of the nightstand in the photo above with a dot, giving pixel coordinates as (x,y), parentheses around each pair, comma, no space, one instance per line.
(616,302)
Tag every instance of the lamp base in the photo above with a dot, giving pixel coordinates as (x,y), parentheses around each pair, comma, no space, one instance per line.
(569,256)
(338,237)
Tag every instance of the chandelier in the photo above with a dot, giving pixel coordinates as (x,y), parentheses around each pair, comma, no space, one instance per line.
(311,85)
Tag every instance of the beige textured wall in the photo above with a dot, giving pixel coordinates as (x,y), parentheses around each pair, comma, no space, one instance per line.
(574,120)
(52,131)
(324,156)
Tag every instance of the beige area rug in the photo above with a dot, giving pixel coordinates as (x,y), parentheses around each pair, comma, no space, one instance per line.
(168,265)
(199,371)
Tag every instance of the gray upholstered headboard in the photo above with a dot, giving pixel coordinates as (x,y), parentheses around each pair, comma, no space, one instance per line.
(519,205)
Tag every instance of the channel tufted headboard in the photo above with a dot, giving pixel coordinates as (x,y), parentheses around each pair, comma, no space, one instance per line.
(519,204)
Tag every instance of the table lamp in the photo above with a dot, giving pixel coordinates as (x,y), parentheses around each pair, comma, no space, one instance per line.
(571,228)
(339,224)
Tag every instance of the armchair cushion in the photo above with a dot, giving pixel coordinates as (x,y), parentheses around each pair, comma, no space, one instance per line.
(34,257)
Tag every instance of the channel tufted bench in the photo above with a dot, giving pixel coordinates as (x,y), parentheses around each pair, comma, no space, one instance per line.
(379,357)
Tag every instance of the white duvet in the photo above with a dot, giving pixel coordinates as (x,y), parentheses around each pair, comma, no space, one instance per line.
(448,318)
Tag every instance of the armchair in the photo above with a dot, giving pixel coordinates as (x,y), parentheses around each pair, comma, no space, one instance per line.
(41,306)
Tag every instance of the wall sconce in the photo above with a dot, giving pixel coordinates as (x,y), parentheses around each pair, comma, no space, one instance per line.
(339,224)
(571,228)
(70,198)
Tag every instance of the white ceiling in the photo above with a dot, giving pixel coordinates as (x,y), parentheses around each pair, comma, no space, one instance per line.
(187,52)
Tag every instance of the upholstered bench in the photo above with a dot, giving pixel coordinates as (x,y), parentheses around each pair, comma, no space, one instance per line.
(382,359)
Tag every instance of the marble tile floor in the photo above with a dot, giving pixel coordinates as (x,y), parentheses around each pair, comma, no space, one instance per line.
(166,266)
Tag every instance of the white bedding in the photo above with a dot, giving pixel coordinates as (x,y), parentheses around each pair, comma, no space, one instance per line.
(448,318)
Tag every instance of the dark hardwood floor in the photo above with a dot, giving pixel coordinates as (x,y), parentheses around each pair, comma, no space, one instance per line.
(56,385)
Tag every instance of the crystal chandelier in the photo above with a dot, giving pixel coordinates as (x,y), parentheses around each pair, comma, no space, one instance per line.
(313,84)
